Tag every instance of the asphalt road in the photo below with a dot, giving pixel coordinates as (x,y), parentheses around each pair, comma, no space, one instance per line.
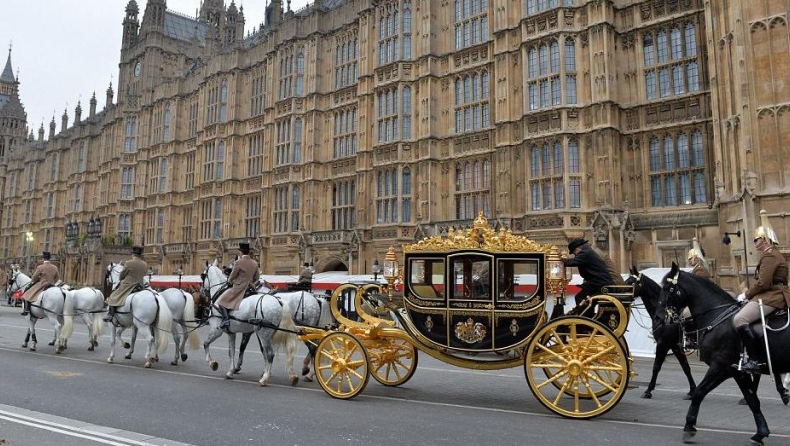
(77,398)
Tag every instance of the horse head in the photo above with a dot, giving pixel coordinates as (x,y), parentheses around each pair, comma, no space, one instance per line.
(212,277)
(17,280)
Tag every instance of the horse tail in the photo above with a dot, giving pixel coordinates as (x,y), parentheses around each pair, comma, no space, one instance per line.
(68,314)
(164,324)
(285,338)
(98,321)
(189,319)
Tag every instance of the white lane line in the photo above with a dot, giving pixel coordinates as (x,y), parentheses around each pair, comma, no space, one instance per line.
(69,430)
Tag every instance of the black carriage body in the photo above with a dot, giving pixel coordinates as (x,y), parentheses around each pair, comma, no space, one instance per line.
(474,300)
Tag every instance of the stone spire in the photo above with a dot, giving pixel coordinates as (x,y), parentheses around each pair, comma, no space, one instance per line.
(110,95)
(64,120)
(8,71)
(92,108)
(130,24)
(78,113)
(41,132)
(52,128)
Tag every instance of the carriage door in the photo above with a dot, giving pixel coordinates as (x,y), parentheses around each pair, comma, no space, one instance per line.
(470,301)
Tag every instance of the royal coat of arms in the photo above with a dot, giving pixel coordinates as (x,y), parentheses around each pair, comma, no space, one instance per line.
(470,332)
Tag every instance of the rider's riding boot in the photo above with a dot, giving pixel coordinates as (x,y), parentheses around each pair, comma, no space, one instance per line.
(749,339)
(225,317)
(110,314)
(25,308)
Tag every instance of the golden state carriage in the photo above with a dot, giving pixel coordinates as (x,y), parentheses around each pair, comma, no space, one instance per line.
(476,298)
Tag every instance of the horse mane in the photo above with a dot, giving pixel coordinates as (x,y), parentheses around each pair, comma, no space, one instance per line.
(706,284)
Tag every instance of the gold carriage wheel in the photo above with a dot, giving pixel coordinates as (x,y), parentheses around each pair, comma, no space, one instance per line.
(606,375)
(341,364)
(577,367)
(393,361)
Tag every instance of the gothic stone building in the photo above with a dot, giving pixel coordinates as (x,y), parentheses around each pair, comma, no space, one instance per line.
(330,133)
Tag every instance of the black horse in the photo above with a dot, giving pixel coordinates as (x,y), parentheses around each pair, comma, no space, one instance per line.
(668,336)
(719,345)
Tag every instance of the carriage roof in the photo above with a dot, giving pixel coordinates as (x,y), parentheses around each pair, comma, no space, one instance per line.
(481,236)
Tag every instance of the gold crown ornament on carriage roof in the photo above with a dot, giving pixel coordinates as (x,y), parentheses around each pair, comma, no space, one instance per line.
(480,236)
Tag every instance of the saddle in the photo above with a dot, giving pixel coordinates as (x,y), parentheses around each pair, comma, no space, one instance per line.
(777,321)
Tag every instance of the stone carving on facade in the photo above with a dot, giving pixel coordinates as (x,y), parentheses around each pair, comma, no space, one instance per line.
(628,235)
(600,230)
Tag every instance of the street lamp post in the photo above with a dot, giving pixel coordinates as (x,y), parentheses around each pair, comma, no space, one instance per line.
(180,273)
(150,273)
(28,244)
(726,240)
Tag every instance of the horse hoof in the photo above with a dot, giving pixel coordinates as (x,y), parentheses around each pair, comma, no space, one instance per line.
(95,343)
(229,375)
(128,356)
(127,345)
(109,361)
(785,399)
(262,383)
(753,442)
(184,357)
(32,349)
(237,371)
(647,395)
(305,371)
(173,362)
(214,366)
(147,365)
(90,349)
(742,402)
(51,343)
(294,380)
(688,437)
(307,379)
(24,345)
(687,396)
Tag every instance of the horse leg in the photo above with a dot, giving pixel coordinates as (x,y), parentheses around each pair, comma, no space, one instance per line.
(713,377)
(131,344)
(268,356)
(308,364)
(54,338)
(231,354)
(661,355)
(683,360)
(783,393)
(59,342)
(114,334)
(245,338)
(184,337)
(755,383)
(177,341)
(32,331)
(749,393)
(87,318)
(213,334)
(150,353)
(27,338)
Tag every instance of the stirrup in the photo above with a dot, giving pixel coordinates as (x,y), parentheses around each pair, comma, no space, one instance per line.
(745,364)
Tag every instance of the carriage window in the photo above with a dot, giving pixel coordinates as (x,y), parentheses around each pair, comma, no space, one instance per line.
(426,278)
(517,278)
(471,277)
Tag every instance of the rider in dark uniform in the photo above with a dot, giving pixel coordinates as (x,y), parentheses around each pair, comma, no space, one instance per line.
(591,267)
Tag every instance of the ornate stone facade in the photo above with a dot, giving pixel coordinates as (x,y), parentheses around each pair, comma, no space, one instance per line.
(330,133)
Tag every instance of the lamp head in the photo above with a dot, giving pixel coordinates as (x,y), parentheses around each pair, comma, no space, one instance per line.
(726,240)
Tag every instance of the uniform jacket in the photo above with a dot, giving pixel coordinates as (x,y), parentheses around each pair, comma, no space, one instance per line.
(306,276)
(133,274)
(701,271)
(592,268)
(771,269)
(44,277)
(245,272)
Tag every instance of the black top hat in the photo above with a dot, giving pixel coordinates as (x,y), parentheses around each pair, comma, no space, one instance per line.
(137,250)
(306,265)
(575,243)
(46,255)
(244,248)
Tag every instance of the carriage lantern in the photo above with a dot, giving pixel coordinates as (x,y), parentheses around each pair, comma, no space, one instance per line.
(390,268)
(556,278)
(150,273)
(180,273)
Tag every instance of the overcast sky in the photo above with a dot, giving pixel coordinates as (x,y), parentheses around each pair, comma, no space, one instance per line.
(64,50)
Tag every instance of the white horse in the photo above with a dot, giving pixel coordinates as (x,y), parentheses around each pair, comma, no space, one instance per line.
(88,304)
(308,310)
(182,307)
(53,303)
(144,309)
(263,314)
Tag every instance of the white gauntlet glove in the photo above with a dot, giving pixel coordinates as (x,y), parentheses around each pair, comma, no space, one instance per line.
(742,297)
